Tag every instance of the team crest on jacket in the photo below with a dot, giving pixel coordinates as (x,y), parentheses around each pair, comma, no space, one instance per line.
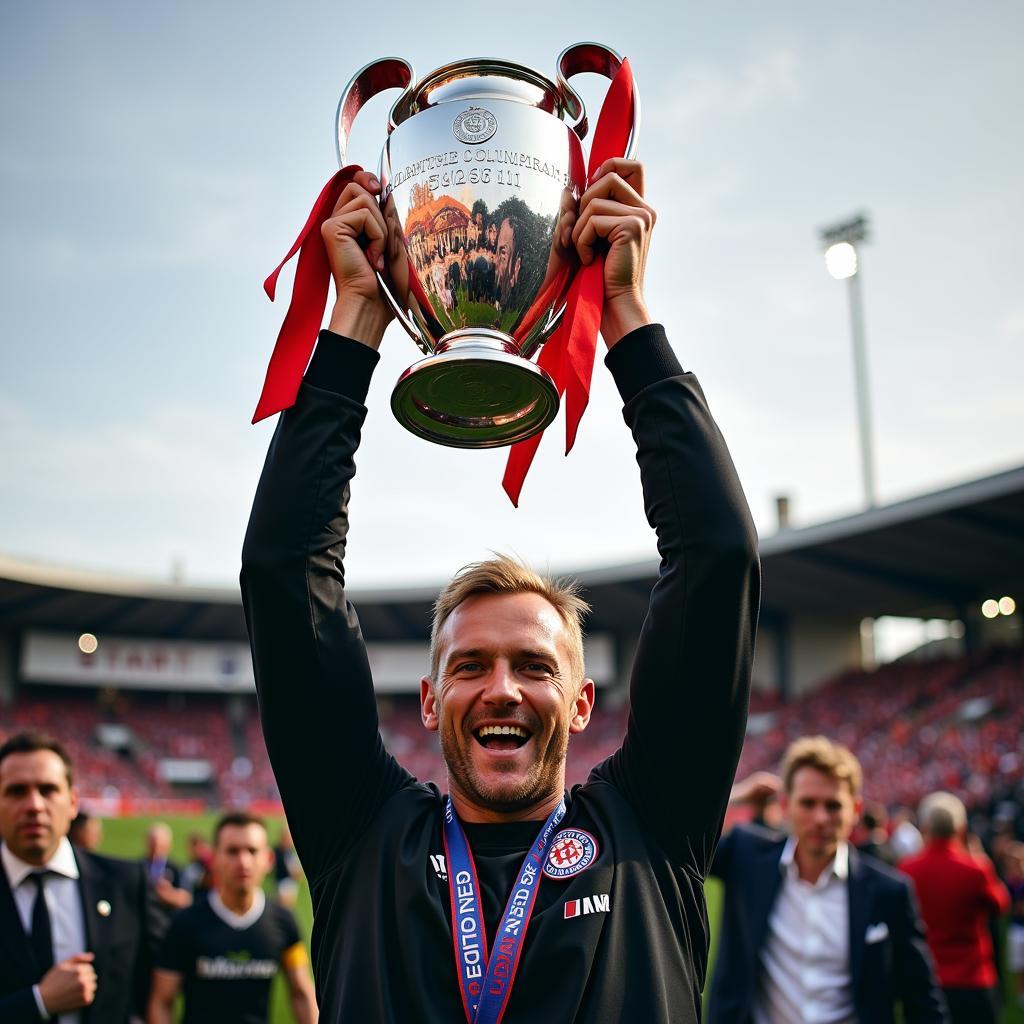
(572,851)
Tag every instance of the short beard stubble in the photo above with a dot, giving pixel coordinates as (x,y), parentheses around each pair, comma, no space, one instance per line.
(543,778)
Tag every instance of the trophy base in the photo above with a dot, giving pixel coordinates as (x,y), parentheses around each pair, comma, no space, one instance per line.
(475,391)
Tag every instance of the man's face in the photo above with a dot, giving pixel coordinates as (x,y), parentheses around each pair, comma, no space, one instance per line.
(821,811)
(505,701)
(36,804)
(506,248)
(241,858)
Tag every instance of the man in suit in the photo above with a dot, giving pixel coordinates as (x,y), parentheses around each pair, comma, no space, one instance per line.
(74,926)
(812,931)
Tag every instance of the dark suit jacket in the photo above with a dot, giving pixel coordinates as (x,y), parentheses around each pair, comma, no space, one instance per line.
(121,940)
(895,968)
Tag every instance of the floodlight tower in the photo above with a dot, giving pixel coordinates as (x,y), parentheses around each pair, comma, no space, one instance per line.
(842,261)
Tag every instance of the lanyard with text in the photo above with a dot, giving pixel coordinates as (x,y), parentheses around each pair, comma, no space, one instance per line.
(486,983)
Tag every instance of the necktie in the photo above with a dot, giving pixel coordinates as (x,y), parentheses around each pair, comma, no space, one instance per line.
(42,933)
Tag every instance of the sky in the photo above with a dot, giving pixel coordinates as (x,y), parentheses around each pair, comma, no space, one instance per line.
(157,160)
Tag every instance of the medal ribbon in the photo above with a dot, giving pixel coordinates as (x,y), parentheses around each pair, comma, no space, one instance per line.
(485,982)
(568,355)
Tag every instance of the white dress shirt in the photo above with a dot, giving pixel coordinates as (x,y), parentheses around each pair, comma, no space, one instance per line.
(63,901)
(805,960)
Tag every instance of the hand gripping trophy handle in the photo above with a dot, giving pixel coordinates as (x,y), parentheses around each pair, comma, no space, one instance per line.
(481,171)
(377,77)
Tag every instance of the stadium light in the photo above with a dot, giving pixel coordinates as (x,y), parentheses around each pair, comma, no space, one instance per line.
(1007,606)
(843,263)
(841,260)
(87,643)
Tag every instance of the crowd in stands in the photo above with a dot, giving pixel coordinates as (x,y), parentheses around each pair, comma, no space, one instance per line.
(917,726)
(953,724)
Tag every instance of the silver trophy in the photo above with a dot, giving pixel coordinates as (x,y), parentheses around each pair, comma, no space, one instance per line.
(481,172)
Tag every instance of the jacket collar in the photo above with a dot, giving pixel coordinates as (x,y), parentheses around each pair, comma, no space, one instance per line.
(61,863)
(839,865)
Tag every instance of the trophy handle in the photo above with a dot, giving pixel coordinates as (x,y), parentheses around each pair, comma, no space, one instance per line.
(376,77)
(386,73)
(600,60)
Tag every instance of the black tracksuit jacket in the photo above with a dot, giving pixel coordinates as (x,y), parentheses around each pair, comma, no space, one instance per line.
(369,835)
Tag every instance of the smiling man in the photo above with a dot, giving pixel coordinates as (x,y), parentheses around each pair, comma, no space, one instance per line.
(506,686)
(509,898)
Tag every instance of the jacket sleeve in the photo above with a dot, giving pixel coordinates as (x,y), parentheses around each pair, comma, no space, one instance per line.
(313,678)
(994,896)
(19,1007)
(150,920)
(690,682)
(916,983)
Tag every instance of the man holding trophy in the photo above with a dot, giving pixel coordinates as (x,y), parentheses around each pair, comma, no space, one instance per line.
(509,898)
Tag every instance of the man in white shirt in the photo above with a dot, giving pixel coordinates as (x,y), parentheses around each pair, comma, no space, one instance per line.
(74,926)
(812,932)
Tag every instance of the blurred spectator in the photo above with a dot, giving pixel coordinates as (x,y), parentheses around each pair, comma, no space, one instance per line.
(287,869)
(1014,872)
(197,874)
(958,891)
(905,840)
(876,838)
(811,931)
(163,874)
(86,831)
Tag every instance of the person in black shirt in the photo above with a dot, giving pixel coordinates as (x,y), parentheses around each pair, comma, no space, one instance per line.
(225,950)
(606,919)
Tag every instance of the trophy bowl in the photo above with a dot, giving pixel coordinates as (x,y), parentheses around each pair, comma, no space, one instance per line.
(481,173)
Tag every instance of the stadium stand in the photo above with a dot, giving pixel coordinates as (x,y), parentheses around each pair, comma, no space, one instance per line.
(950,723)
(953,724)
(165,712)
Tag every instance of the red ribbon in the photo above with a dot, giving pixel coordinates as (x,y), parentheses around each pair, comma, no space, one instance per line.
(309,300)
(568,355)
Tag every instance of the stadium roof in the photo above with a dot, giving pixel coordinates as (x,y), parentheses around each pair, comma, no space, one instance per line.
(930,556)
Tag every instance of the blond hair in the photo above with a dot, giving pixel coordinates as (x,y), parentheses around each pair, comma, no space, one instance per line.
(505,575)
(824,755)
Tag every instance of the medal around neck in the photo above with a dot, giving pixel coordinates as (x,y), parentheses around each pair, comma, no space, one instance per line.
(481,174)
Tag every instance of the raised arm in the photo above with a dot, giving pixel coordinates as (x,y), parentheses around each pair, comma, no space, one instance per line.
(312,675)
(691,674)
